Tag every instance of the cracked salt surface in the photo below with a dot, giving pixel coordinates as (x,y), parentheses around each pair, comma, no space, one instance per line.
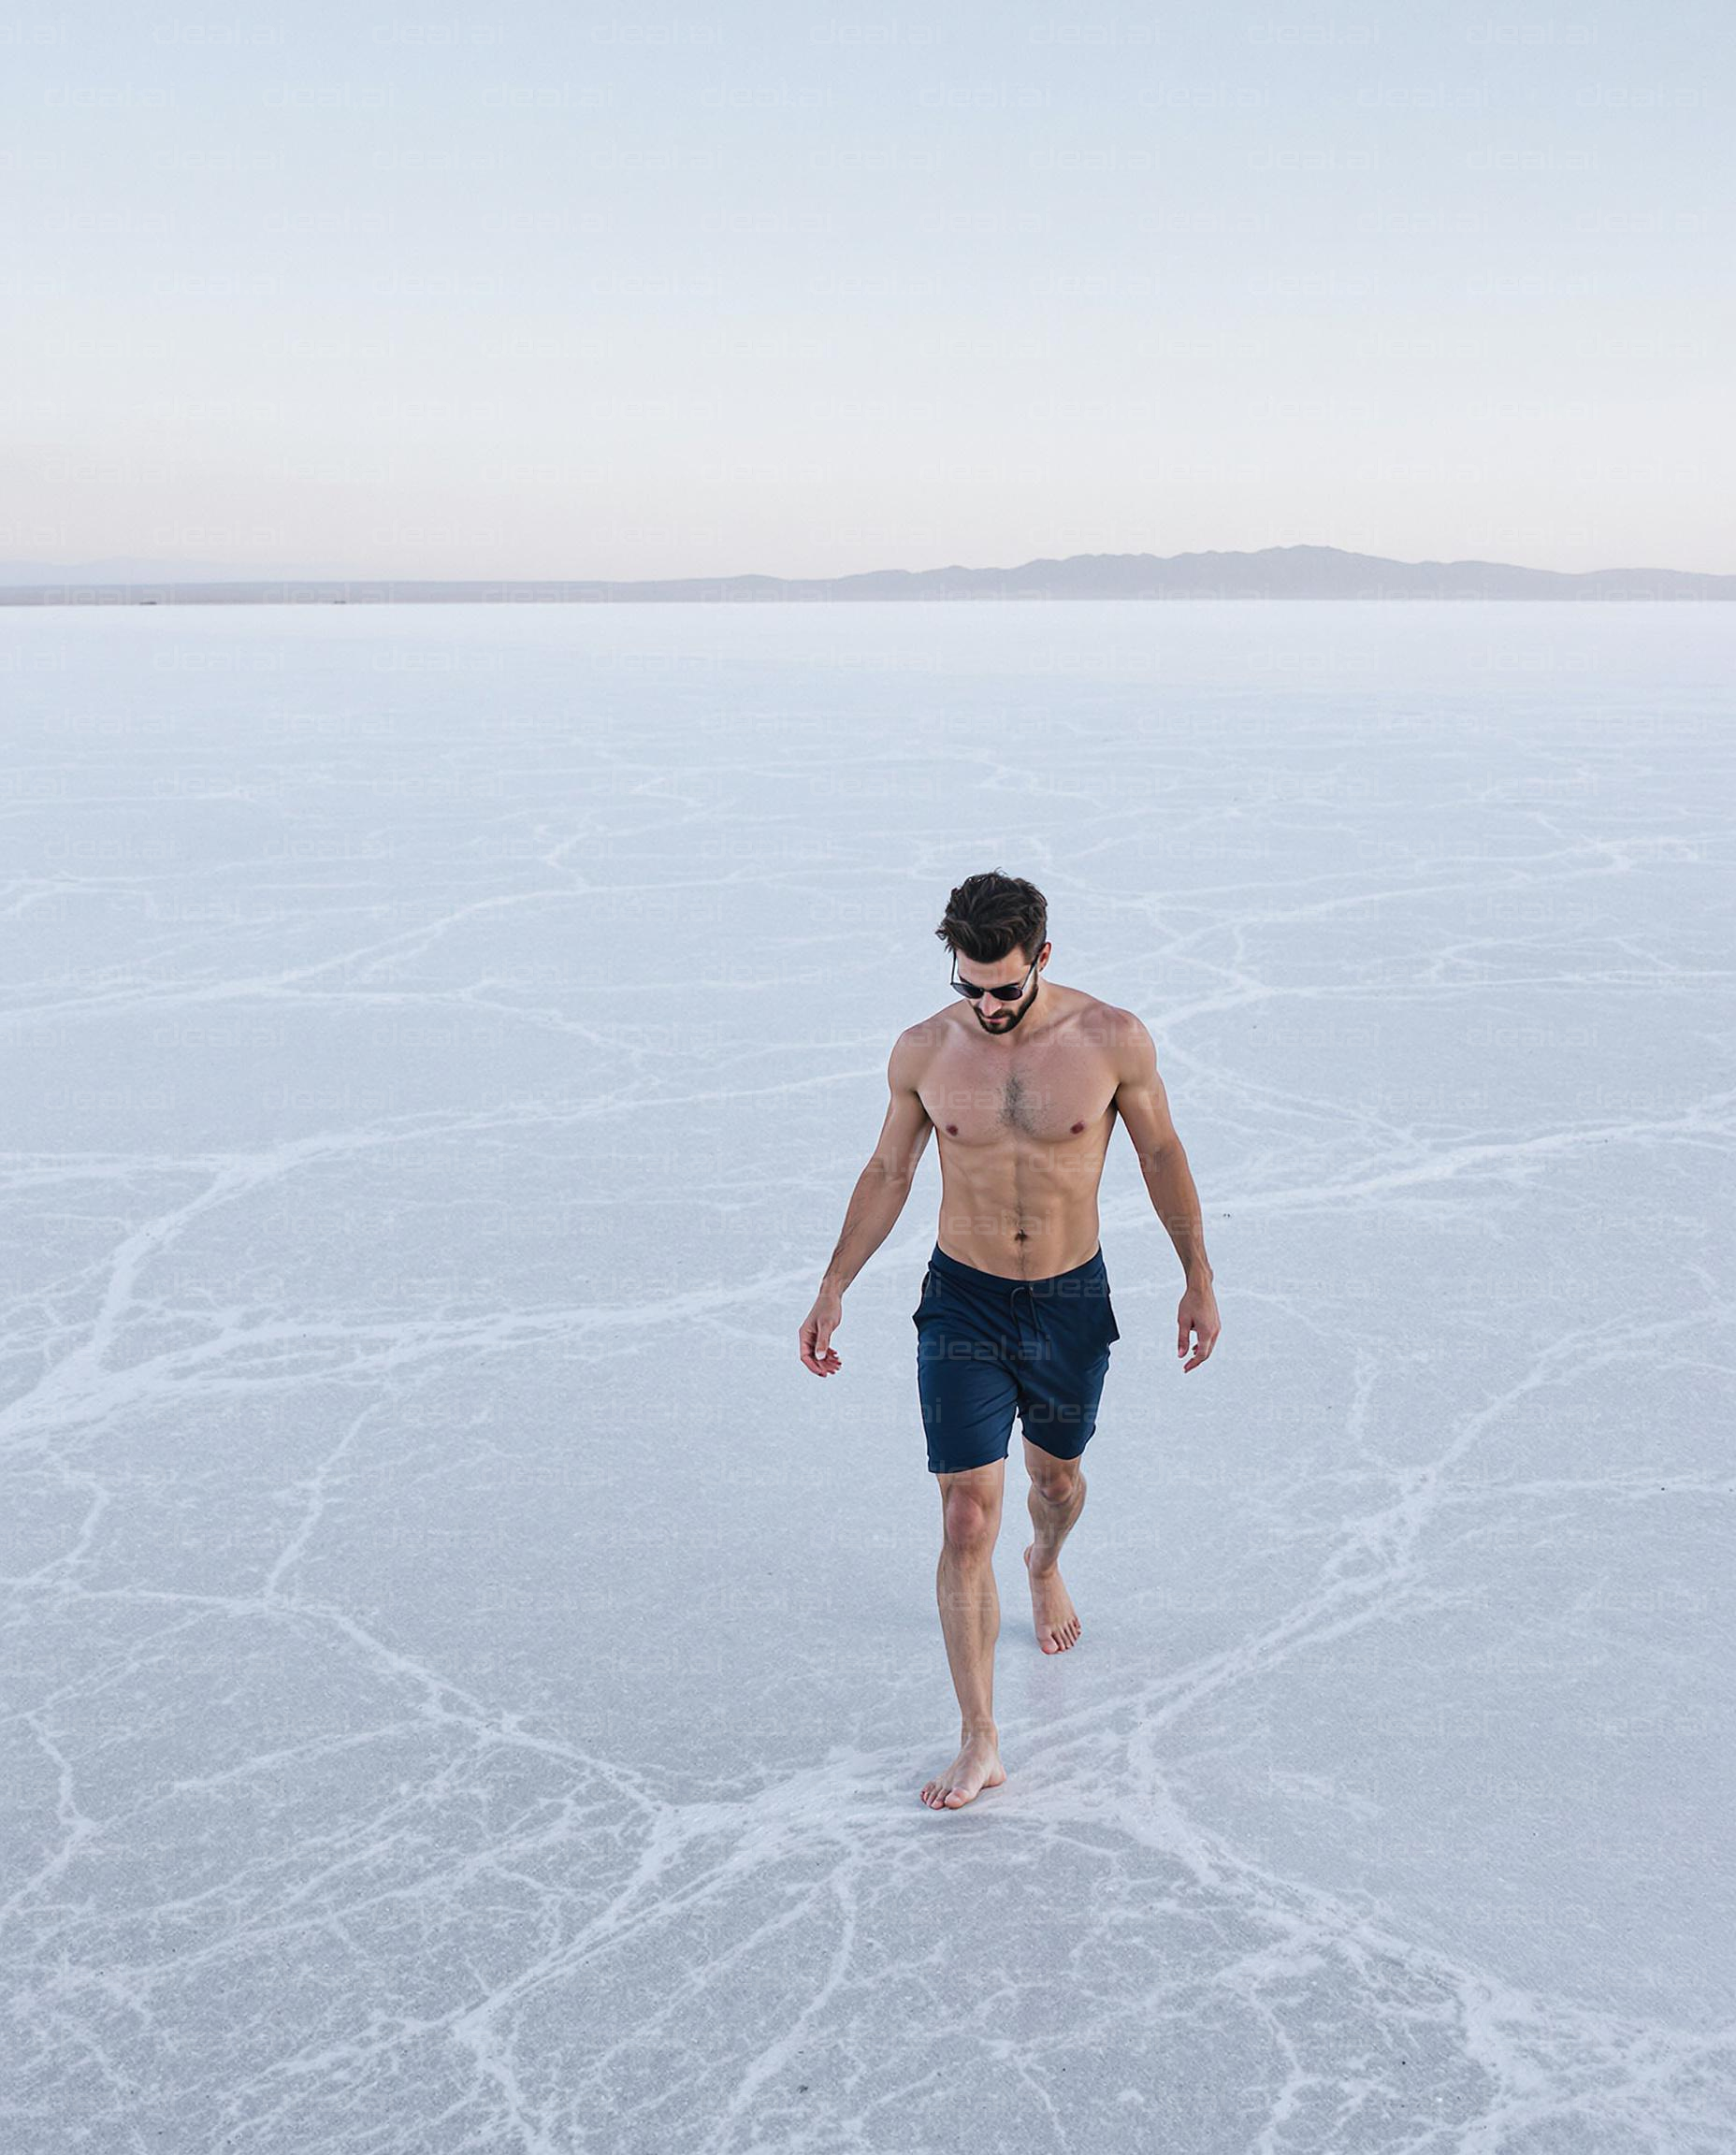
(468,1687)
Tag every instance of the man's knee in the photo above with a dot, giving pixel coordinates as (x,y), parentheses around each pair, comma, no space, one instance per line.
(971,1519)
(1056,1481)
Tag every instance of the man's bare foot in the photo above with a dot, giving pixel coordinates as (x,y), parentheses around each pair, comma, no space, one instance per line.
(976,1766)
(1057,1620)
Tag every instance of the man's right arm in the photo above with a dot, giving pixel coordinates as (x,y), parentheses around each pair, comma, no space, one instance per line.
(884,1184)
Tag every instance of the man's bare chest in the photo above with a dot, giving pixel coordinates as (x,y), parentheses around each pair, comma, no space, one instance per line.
(1056,1094)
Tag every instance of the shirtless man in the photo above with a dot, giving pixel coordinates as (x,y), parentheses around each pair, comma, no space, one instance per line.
(1024,1080)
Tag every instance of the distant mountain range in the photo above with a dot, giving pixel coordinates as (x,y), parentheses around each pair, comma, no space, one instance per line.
(1274,573)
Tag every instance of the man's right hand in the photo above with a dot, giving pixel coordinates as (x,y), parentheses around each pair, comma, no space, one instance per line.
(817,1327)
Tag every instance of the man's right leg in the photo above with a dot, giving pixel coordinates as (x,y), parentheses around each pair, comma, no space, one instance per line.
(970,1617)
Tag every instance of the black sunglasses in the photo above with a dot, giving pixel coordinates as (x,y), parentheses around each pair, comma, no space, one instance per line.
(1009,995)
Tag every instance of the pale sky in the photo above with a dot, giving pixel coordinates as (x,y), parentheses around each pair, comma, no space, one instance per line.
(568,291)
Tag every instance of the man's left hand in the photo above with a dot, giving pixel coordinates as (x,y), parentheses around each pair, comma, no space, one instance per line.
(1198,1315)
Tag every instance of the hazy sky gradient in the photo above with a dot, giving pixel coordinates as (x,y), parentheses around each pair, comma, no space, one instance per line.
(555,291)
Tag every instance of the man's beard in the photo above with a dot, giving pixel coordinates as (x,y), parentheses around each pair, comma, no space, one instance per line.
(1018,1014)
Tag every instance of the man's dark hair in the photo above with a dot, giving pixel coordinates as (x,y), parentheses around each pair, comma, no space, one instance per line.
(988,914)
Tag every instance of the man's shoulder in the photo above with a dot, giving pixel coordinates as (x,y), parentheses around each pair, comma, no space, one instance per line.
(915,1045)
(1118,1033)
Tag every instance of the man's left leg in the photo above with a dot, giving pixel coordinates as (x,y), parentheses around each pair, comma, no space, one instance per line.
(1056,1499)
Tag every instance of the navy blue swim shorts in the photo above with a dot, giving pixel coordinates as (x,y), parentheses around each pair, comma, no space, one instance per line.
(987,1347)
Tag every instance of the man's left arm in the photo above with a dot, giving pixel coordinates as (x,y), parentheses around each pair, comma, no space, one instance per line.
(1143,1107)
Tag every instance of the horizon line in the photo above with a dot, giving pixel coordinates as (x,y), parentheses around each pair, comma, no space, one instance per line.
(196,574)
